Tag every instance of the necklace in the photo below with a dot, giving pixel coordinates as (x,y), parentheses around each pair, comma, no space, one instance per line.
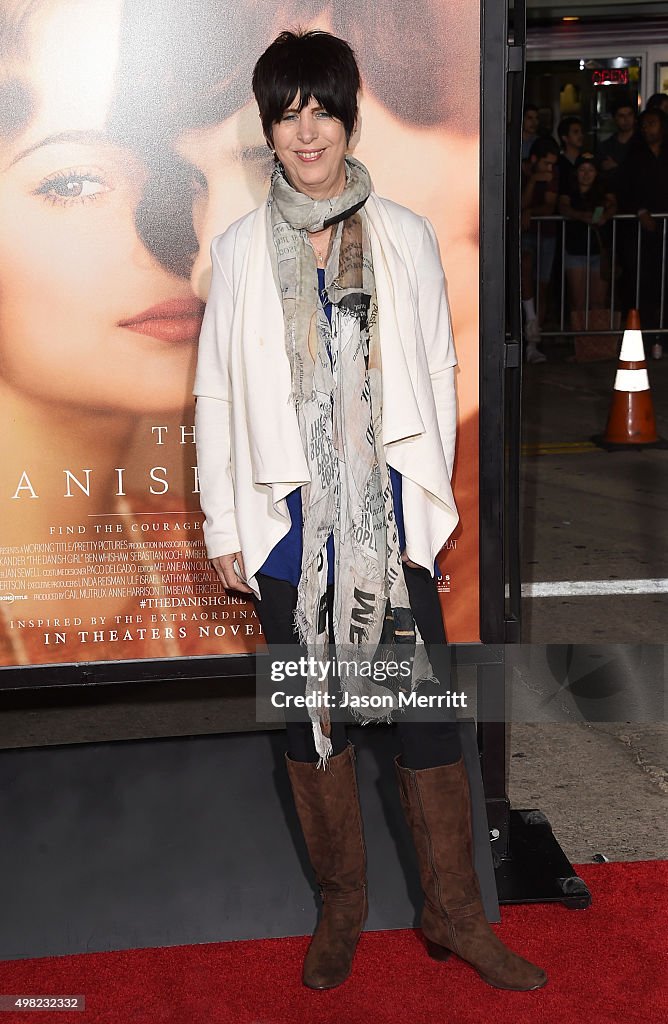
(321,257)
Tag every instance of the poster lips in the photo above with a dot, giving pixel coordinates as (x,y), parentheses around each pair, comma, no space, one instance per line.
(177,320)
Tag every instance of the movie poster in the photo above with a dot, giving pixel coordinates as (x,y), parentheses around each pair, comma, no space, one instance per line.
(129,138)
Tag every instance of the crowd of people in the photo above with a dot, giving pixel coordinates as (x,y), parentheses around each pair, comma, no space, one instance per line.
(628,174)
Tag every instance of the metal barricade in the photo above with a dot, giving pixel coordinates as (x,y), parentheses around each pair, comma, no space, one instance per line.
(662,227)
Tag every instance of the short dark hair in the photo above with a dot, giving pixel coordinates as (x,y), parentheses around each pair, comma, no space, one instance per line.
(529,106)
(623,104)
(541,147)
(656,100)
(565,125)
(312,64)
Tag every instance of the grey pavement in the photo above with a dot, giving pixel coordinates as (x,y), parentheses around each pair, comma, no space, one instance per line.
(602,786)
(589,514)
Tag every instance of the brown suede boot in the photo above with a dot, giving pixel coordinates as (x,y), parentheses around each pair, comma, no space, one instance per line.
(327,803)
(437,806)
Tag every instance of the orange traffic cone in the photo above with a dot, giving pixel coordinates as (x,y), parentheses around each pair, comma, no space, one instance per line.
(631,419)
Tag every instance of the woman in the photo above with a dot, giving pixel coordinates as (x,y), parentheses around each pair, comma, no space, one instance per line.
(587,208)
(325,434)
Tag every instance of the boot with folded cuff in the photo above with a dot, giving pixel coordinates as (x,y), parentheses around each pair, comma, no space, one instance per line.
(327,803)
(436,802)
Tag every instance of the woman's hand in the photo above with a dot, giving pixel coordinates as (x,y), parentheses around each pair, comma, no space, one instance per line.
(227,573)
(609,207)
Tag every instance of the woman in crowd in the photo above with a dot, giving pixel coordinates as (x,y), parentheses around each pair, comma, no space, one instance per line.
(539,199)
(587,208)
(325,432)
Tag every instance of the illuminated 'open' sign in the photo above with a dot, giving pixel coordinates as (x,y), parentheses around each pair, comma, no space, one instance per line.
(610,76)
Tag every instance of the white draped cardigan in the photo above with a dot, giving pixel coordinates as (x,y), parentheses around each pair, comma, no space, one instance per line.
(249,449)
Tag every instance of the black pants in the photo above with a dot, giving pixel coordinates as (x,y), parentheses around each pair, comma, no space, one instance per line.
(424,744)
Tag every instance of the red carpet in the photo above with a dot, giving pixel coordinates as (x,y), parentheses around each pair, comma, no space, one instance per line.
(606,965)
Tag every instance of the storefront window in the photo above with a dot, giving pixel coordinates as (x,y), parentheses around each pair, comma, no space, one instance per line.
(589,87)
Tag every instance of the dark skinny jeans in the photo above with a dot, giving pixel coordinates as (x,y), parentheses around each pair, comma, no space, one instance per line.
(425,744)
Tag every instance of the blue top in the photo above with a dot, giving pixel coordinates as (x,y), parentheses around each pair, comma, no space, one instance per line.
(284,561)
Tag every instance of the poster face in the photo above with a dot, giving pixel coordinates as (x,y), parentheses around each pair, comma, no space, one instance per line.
(128,139)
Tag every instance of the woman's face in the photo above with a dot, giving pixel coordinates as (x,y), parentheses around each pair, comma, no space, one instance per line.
(586,175)
(311,144)
(87,315)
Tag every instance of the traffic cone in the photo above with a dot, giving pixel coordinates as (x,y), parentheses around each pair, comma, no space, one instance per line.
(631,421)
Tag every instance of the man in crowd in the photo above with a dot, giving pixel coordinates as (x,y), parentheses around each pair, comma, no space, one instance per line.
(539,198)
(571,138)
(613,152)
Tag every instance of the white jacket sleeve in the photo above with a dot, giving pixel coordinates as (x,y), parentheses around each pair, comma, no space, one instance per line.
(213,417)
(434,314)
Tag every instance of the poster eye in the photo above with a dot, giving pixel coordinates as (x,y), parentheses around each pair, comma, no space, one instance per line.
(66,187)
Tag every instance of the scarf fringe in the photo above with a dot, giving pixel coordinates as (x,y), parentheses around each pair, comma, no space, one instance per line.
(323,745)
(361,719)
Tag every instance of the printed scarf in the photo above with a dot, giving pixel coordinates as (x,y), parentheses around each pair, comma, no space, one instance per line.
(336,390)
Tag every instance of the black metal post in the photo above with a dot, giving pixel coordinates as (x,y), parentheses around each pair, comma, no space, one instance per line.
(529,863)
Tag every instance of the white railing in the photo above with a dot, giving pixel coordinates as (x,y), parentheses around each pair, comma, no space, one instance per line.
(658,328)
